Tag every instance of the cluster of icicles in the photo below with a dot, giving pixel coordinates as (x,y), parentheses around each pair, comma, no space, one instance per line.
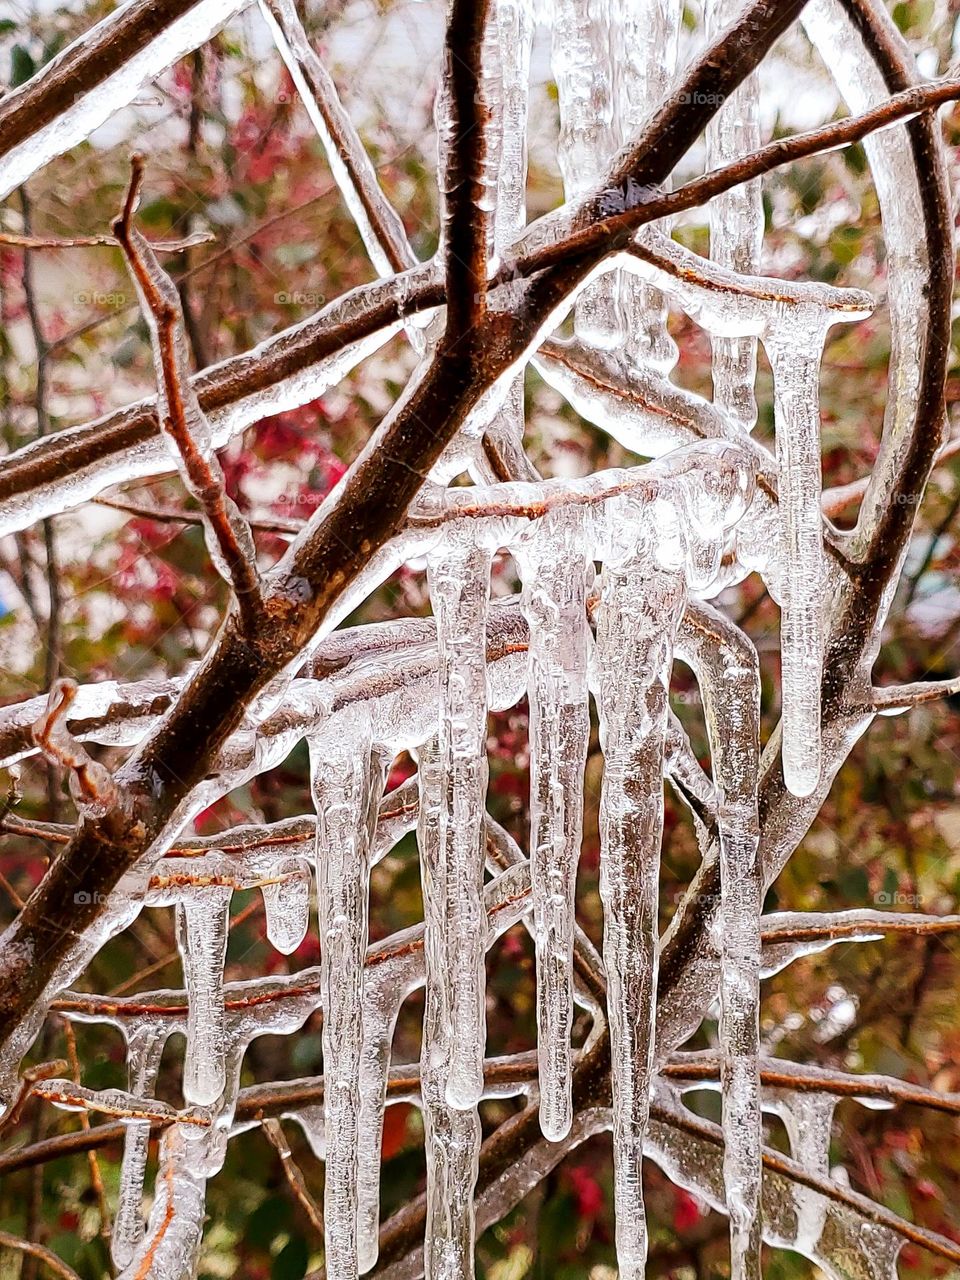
(617,571)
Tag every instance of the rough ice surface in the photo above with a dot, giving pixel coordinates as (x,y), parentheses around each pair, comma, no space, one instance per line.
(348,778)
(554,571)
(615,570)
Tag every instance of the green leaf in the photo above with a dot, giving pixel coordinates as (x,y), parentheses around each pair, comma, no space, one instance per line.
(291,1262)
(269,1220)
(22,66)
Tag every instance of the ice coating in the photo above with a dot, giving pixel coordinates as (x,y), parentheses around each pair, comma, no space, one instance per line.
(554,601)
(638,615)
(348,779)
(88,111)
(145,1041)
(171,1245)
(661,533)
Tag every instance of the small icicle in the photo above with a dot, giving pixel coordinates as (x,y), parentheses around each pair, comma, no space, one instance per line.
(808,1118)
(451,1135)
(145,1041)
(202,932)
(348,779)
(459,580)
(286,902)
(553,567)
(639,611)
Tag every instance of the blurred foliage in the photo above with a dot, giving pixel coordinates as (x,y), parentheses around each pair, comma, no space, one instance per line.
(232,152)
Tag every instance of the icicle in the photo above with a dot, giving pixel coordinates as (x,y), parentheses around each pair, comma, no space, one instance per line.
(311,1121)
(395,969)
(202,931)
(145,1041)
(794,348)
(736,224)
(348,779)
(451,1135)
(728,672)
(808,1118)
(285,889)
(588,135)
(850,1247)
(644,37)
(458,576)
(515,23)
(638,615)
(553,567)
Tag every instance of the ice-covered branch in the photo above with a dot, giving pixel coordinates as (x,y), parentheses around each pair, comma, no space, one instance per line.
(379,224)
(96,75)
(229,538)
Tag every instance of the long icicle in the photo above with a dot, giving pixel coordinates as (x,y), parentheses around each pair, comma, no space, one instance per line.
(638,615)
(459,580)
(794,347)
(554,572)
(348,779)
(736,226)
(451,1135)
(728,671)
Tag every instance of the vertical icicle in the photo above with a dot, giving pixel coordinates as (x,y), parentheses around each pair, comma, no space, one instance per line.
(515,27)
(728,672)
(451,1136)
(644,38)
(145,1041)
(794,346)
(639,612)
(554,571)
(348,779)
(808,1118)
(203,919)
(458,576)
(588,135)
(286,903)
(736,225)
(383,993)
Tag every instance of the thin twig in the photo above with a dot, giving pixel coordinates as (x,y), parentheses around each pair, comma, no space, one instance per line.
(273,1129)
(40,1252)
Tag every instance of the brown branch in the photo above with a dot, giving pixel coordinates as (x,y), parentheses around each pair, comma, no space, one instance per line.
(175,515)
(801,1078)
(78,72)
(903,696)
(40,1252)
(202,473)
(465,219)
